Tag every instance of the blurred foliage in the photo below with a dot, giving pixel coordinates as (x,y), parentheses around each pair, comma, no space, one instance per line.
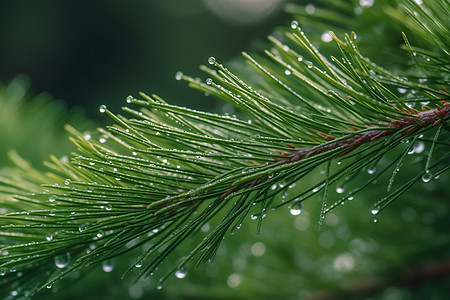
(98,52)
(33,125)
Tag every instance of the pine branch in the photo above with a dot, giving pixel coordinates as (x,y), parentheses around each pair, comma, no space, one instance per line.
(405,125)
(159,176)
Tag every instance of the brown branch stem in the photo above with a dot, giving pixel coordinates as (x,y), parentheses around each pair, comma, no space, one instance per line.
(408,123)
(414,122)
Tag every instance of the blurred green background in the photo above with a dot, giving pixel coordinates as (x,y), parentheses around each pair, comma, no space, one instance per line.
(90,53)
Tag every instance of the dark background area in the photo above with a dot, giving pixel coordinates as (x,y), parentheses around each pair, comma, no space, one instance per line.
(90,53)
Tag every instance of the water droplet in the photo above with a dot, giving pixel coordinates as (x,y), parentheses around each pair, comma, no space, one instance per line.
(138,265)
(205,228)
(181,273)
(103,139)
(419,147)
(102,108)
(159,286)
(294,24)
(350,198)
(358,11)
(212,60)
(427,176)
(49,286)
(234,280)
(300,58)
(179,75)
(371,170)
(49,237)
(309,64)
(340,189)
(287,72)
(375,210)
(100,234)
(83,227)
(258,249)
(63,260)
(326,37)
(135,291)
(253,217)
(310,9)
(209,81)
(108,207)
(14,293)
(108,265)
(401,90)
(51,199)
(129,99)
(90,189)
(366,3)
(67,182)
(295,211)
(91,163)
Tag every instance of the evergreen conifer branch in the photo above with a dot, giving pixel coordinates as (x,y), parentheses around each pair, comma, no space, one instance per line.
(162,172)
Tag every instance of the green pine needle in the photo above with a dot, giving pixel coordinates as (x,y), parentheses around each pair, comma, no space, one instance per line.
(161,172)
